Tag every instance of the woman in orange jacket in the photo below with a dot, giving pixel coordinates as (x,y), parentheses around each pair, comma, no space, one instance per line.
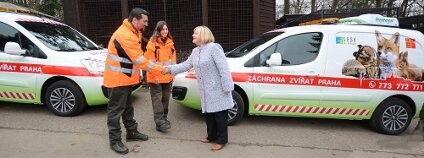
(161,51)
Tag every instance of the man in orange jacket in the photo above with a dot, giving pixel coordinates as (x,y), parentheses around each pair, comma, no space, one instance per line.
(122,71)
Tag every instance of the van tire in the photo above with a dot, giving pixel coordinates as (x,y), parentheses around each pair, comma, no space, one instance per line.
(236,113)
(70,105)
(391,117)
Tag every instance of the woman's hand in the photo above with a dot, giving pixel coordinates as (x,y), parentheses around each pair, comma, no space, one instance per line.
(166,70)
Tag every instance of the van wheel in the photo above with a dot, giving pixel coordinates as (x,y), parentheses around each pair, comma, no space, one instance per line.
(64,98)
(236,113)
(392,117)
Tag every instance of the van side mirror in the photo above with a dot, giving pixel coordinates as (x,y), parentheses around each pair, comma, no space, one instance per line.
(13,48)
(274,60)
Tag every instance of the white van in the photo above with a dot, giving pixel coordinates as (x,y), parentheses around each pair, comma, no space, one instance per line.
(325,71)
(45,61)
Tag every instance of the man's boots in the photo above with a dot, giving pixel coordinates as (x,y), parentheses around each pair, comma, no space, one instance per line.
(119,147)
(135,135)
(165,114)
(161,124)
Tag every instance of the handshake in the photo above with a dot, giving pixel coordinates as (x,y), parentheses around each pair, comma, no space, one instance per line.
(166,70)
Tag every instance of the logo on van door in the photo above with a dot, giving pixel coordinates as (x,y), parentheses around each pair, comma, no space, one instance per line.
(345,40)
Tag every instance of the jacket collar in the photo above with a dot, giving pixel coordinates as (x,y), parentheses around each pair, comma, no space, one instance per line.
(167,41)
(126,23)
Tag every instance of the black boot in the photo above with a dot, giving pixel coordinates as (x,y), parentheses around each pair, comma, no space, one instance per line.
(119,147)
(161,124)
(165,115)
(136,135)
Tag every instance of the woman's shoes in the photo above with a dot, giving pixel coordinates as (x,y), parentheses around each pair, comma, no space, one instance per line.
(216,147)
(205,140)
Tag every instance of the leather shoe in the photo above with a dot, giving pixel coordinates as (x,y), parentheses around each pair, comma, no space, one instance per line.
(136,135)
(216,147)
(119,147)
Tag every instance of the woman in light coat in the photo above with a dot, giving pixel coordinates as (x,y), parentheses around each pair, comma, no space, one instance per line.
(215,84)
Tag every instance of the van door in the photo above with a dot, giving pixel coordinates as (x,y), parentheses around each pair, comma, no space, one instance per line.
(355,65)
(18,73)
(289,88)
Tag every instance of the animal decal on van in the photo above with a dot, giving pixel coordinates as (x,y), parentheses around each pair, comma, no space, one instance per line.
(388,51)
(407,70)
(365,64)
(381,63)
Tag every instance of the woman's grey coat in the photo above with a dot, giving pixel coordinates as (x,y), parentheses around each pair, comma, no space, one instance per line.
(213,76)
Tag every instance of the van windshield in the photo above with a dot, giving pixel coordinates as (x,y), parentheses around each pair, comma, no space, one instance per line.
(248,46)
(58,37)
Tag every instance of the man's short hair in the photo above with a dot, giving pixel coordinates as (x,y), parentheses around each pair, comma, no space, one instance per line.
(136,13)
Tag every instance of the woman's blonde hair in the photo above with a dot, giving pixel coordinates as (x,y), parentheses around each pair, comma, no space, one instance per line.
(205,33)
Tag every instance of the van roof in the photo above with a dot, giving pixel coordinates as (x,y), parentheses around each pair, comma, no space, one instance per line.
(342,27)
(13,16)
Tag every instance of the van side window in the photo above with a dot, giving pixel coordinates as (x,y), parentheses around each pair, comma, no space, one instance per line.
(294,50)
(10,34)
(299,49)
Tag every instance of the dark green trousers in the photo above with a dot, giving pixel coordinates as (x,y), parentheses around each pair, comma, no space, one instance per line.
(120,106)
(160,94)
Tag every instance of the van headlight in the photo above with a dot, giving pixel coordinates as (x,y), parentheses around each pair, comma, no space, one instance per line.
(94,67)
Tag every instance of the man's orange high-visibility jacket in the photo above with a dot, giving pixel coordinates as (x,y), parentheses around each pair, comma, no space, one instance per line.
(162,54)
(125,58)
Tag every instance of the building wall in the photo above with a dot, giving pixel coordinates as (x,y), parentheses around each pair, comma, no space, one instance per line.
(232,21)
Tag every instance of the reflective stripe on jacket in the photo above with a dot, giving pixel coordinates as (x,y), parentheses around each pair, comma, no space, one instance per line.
(162,54)
(125,58)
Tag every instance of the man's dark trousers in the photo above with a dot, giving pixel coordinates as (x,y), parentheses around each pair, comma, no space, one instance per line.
(120,105)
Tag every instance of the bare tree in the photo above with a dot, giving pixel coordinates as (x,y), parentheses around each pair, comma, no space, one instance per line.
(286,6)
(390,3)
(279,11)
(403,7)
(334,4)
(298,6)
(313,6)
(378,3)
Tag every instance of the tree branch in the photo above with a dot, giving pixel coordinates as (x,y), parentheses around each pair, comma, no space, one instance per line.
(345,4)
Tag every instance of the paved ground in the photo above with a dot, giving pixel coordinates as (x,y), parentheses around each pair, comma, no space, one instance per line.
(32,131)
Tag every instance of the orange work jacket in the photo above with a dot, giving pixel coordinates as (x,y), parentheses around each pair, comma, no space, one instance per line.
(162,54)
(125,58)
